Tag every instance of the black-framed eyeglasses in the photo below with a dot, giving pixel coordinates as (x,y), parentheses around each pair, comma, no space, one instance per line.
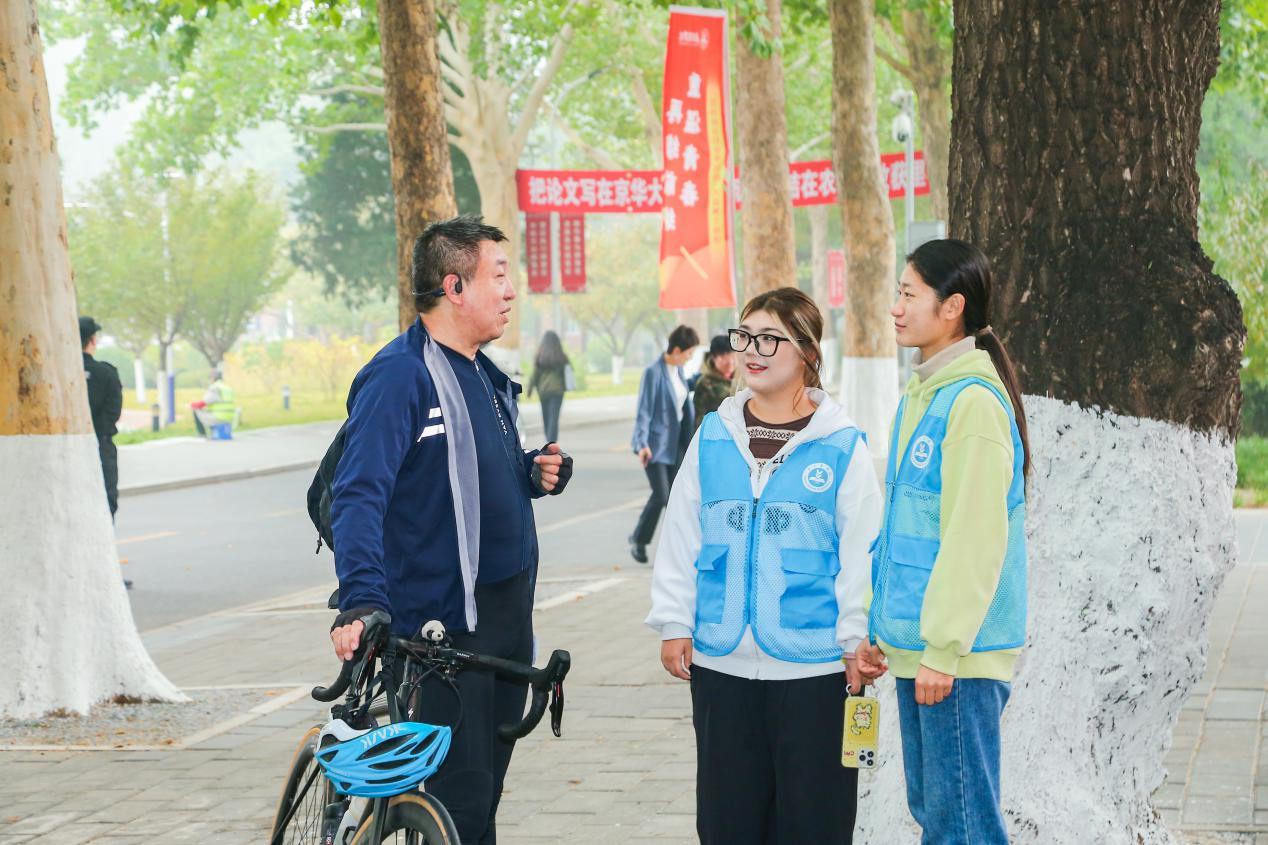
(765,344)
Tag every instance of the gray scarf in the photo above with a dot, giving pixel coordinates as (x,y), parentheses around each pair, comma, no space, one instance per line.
(462,453)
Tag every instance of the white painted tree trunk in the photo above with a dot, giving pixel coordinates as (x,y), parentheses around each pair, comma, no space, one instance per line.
(618,367)
(1130,535)
(869,392)
(138,377)
(72,638)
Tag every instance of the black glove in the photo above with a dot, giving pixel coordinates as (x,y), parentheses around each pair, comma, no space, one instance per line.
(347,617)
(565,472)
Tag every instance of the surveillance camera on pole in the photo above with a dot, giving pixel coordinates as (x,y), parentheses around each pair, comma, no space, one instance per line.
(901,129)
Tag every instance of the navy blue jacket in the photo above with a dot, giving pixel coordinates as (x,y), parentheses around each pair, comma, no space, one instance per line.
(656,423)
(392,509)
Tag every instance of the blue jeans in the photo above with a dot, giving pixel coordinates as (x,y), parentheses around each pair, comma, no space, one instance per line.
(951,761)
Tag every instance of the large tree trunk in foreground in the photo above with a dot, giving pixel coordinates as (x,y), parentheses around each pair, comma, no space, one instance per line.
(75,642)
(869,366)
(1075,171)
(418,137)
(770,256)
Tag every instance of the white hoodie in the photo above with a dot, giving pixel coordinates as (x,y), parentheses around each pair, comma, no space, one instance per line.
(858,520)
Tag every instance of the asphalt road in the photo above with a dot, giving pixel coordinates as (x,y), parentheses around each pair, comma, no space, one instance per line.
(203,549)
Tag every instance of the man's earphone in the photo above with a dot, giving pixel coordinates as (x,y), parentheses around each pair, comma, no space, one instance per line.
(440,291)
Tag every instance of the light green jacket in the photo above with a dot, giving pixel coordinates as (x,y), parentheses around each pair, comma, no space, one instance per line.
(977,469)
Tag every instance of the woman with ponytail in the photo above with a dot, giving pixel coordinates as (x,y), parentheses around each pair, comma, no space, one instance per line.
(948,611)
(760,585)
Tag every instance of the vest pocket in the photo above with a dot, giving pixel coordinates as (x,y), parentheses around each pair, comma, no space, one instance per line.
(809,599)
(911,562)
(711,583)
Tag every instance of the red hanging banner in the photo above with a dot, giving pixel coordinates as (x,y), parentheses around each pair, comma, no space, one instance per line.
(696,266)
(635,191)
(572,252)
(836,278)
(537,252)
(589,191)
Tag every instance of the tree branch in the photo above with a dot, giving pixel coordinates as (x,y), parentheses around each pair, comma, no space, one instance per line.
(538,92)
(342,127)
(809,145)
(373,90)
(598,156)
(647,111)
(894,62)
(889,58)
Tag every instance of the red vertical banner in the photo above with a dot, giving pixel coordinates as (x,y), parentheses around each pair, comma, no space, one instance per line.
(572,252)
(537,252)
(836,278)
(696,264)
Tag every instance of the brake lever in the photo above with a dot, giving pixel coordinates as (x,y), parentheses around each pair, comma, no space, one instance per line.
(557,708)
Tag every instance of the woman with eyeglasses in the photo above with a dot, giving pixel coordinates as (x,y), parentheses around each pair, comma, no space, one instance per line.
(759,585)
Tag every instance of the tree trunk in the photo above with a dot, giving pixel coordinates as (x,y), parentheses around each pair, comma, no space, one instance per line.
(418,137)
(1075,171)
(819,285)
(869,366)
(65,603)
(930,64)
(768,243)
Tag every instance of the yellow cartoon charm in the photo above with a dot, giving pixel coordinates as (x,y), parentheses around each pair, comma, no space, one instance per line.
(861,732)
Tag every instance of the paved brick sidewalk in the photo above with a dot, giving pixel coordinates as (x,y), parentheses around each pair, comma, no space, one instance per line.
(1217,783)
(623,772)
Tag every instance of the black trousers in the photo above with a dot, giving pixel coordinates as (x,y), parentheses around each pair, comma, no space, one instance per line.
(551,406)
(469,783)
(110,469)
(661,477)
(768,761)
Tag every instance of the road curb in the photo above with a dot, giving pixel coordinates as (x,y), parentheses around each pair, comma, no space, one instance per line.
(221,478)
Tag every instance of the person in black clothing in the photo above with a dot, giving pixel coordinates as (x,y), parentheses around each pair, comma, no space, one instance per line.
(550,380)
(105,403)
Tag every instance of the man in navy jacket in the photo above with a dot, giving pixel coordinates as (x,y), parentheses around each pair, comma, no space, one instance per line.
(431,508)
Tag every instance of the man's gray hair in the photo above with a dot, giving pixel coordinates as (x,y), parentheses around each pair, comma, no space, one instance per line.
(448,247)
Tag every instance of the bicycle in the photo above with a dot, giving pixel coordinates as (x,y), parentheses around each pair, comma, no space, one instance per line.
(371,775)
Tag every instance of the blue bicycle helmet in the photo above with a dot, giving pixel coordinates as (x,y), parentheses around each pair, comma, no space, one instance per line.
(381,762)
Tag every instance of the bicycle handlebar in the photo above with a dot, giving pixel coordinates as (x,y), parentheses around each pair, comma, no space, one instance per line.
(546,683)
(376,627)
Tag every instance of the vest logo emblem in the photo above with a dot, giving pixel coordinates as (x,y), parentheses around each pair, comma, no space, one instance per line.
(817,477)
(921,452)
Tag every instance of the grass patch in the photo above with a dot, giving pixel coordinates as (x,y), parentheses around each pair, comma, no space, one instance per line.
(1252,472)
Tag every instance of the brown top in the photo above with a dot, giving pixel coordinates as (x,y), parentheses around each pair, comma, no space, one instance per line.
(765,439)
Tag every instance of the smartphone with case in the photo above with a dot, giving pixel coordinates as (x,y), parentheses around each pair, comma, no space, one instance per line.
(861,731)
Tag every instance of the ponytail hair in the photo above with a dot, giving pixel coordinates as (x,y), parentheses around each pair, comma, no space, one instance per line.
(950,267)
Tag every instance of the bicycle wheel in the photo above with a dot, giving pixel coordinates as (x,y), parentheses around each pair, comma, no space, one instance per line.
(308,791)
(414,818)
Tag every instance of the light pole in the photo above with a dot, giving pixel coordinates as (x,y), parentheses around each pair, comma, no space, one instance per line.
(903,130)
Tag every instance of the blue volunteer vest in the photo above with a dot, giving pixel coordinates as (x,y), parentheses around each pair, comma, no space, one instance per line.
(769,563)
(908,544)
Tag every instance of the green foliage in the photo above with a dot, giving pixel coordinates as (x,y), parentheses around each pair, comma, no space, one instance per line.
(225,239)
(622,288)
(118,254)
(1244,49)
(204,72)
(194,257)
(1252,463)
(1254,408)
(344,205)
